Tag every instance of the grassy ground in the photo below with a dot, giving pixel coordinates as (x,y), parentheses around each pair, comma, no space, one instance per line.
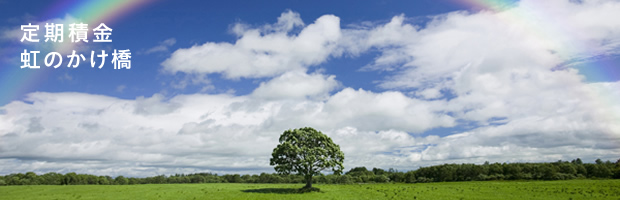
(573,189)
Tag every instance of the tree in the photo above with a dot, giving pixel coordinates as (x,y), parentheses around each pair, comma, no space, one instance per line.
(121,180)
(598,161)
(360,171)
(617,169)
(102,180)
(378,171)
(70,179)
(307,152)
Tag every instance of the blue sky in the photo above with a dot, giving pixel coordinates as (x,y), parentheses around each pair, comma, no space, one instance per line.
(192,22)
(397,84)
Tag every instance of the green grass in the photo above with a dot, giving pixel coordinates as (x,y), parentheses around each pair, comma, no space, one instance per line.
(573,189)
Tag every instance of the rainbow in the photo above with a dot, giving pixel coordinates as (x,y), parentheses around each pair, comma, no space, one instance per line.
(537,22)
(493,5)
(15,81)
(595,65)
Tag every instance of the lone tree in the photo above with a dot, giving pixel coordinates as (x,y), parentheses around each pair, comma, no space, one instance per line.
(307,152)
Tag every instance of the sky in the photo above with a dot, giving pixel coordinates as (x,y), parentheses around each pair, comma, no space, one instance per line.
(397,84)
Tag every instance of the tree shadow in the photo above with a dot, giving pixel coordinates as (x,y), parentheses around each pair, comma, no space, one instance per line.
(273,191)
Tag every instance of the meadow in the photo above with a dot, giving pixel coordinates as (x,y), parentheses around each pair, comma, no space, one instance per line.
(570,189)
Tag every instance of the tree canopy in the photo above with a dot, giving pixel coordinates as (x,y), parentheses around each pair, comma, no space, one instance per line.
(306,152)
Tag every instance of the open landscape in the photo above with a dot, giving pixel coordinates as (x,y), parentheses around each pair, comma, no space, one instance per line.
(281,99)
(571,189)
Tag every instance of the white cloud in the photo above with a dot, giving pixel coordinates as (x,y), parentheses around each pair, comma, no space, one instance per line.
(383,111)
(191,79)
(229,134)
(297,84)
(154,105)
(121,88)
(286,22)
(162,47)
(500,65)
(392,35)
(496,64)
(534,35)
(201,131)
(12,34)
(65,77)
(262,52)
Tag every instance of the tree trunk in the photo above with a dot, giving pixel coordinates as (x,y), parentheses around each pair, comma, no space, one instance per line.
(308,182)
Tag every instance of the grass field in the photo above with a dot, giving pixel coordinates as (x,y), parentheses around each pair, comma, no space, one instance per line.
(573,189)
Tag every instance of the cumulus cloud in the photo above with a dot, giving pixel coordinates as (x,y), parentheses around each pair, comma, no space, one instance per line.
(235,134)
(492,62)
(508,71)
(154,105)
(201,131)
(531,36)
(262,52)
(297,84)
(35,125)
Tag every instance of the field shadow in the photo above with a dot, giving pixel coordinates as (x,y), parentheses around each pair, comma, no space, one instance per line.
(273,191)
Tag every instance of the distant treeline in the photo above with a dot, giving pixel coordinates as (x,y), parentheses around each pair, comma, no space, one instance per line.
(560,170)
